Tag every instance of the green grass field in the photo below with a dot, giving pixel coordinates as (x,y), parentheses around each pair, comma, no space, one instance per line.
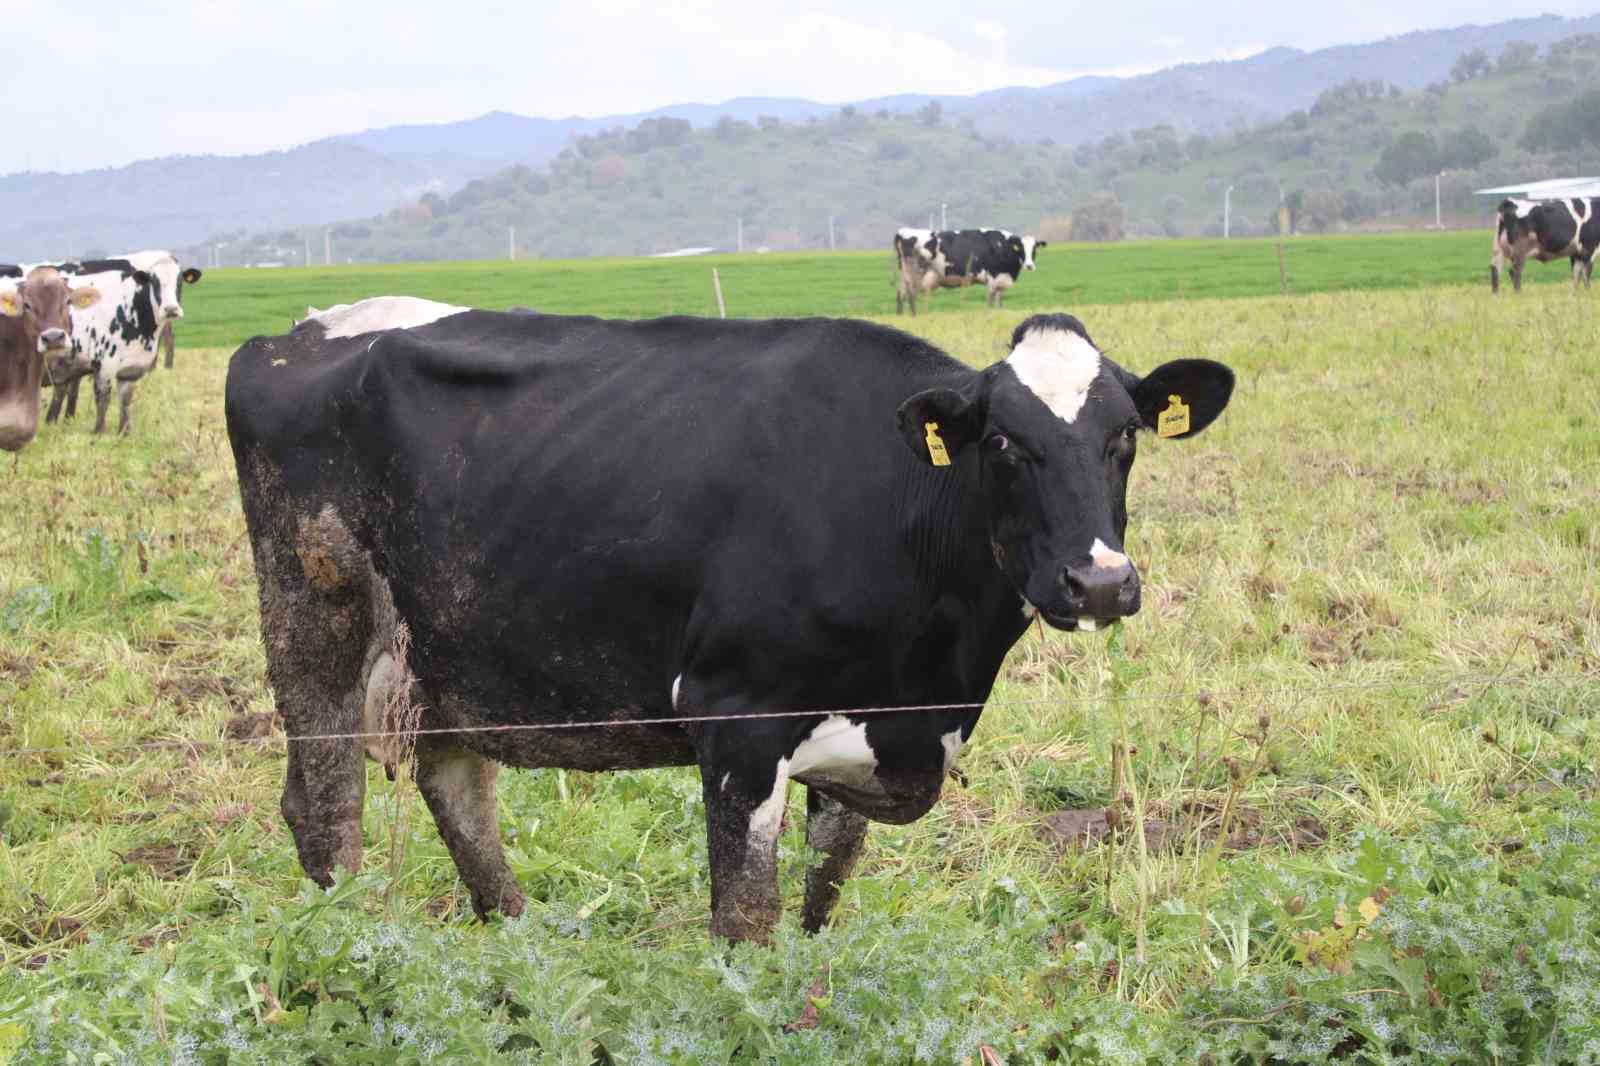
(230,305)
(1355,732)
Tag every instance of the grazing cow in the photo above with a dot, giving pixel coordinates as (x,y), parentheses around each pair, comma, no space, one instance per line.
(708,543)
(1552,229)
(170,278)
(952,259)
(35,323)
(116,340)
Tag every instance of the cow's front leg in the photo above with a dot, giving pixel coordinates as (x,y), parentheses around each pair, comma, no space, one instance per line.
(1516,276)
(458,786)
(58,393)
(745,797)
(836,833)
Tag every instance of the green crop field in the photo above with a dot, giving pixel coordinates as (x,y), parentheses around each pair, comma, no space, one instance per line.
(1351,743)
(230,305)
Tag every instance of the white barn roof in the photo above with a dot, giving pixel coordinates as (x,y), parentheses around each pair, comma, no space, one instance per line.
(1553,189)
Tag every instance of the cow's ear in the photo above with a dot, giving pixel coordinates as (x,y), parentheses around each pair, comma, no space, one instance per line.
(1180,398)
(87,296)
(1040,244)
(938,417)
(140,277)
(190,276)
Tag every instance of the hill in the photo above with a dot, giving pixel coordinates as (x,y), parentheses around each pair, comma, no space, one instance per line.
(1363,154)
(187,201)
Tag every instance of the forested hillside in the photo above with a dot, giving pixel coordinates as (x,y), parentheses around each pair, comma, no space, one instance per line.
(1363,154)
(885,159)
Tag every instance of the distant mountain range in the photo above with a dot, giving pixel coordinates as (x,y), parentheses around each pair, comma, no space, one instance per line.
(188,200)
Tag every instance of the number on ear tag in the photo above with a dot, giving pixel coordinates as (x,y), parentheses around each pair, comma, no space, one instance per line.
(936,451)
(1174,421)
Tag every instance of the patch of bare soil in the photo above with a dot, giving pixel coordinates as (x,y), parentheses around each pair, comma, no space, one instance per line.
(170,862)
(251,726)
(1086,827)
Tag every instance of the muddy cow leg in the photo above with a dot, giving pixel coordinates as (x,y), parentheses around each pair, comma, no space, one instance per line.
(1516,276)
(125,396)
(102,403)
(458,786)
(745,794)
(836,833)
(58,393)
(316,624)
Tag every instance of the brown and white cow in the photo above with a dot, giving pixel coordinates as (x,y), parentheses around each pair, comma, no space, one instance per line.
(35,322)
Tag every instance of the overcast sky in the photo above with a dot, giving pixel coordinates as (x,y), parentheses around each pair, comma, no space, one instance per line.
(104,84)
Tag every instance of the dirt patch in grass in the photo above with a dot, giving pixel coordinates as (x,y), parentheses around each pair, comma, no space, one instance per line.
(168,861)
(1086,827)
(251,726)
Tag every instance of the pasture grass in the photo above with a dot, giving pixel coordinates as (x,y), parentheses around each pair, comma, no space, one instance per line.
(1351,741)
(232,304)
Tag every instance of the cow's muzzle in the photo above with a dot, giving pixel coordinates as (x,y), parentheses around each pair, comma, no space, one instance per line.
(172,311)
(52,340)
(1093,594)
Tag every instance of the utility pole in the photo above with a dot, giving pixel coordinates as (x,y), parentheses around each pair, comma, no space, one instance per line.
(327,247)
(944,222)
(308,249)
(1437,221)
(1227,211)
(741,232)
(513,239)
(830,233)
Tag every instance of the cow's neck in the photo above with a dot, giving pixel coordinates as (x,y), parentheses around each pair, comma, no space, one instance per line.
(946,533)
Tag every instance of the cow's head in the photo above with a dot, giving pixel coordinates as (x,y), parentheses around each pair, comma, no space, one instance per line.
(1052,432)
(1025,247)
(168,278)
(1516,230)
(40,305)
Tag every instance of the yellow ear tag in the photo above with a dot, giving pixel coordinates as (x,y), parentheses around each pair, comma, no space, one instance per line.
(1174,421)
(936,453)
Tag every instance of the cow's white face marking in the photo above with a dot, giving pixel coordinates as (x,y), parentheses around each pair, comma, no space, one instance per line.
(382,312)
(164,266)
(1027,252)
(837,750)
(1104,557)
(767,819)
(1059,366)
(952,747)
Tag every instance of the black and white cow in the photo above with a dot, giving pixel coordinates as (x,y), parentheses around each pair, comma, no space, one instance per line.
(952,259)
(616,523)
(170,278)
(117,340)
(1547,230)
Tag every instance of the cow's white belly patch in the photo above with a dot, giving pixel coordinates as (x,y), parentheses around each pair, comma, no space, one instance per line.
(952,747)
(836,751)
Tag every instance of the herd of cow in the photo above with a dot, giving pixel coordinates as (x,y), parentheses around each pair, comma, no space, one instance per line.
(780,551)
(63,322)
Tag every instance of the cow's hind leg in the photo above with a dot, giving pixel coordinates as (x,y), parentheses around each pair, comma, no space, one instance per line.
(125,398)
(458,786)
(102,402)
(836,833)
(1516,277)
(316,623)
